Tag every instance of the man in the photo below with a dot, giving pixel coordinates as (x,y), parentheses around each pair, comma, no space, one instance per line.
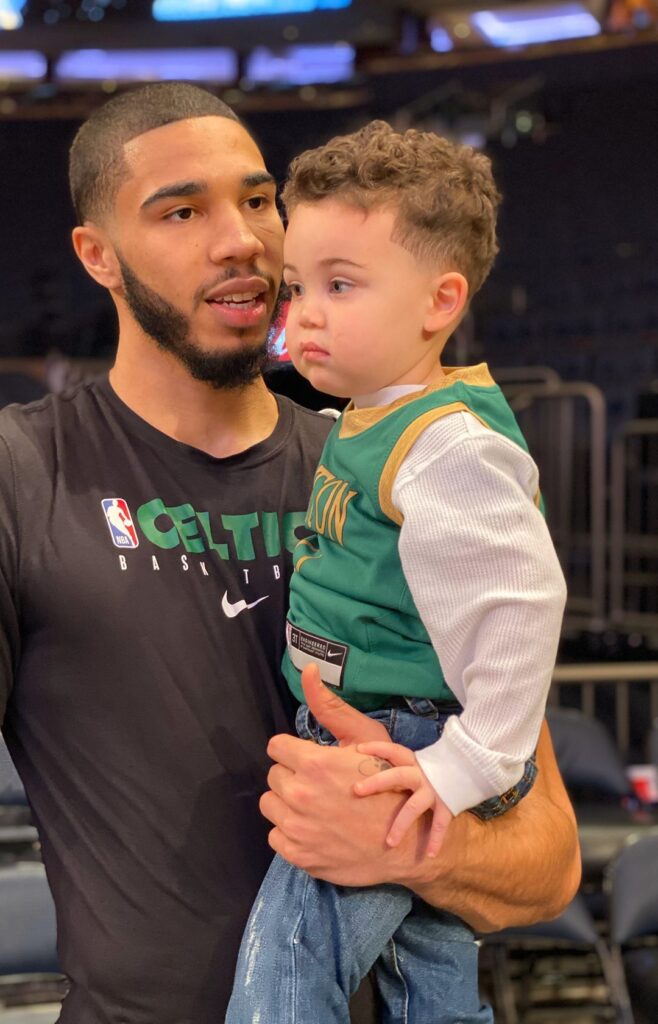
(139,666)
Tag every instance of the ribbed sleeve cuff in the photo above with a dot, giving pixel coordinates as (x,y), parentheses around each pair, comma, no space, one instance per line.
(456,779)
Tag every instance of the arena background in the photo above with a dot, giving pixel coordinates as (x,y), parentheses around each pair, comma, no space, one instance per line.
(564,98)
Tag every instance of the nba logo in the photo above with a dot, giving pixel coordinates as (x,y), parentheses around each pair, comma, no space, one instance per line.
(120,523)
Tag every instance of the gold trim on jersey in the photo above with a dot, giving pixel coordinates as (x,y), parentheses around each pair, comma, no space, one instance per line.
(310,542)
(401,449)
(355,421)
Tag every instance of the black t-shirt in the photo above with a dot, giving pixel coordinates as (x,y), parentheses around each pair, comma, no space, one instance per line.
(143,590)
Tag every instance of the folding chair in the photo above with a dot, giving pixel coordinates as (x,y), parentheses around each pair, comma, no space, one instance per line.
(574,929)
(28,937)
(632,882)
(18,836)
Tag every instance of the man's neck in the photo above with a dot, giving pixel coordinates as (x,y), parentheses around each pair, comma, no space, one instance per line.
(221,422)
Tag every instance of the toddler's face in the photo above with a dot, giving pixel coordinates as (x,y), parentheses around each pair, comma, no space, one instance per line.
(360,302)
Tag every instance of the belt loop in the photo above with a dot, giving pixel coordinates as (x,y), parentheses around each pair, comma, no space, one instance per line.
(422,706)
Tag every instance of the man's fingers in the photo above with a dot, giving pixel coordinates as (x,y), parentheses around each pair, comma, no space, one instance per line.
(287,750)
(281,844)
(272,807)
(393,752)
(398,779)
(346,723)
(415,806)
(278,777)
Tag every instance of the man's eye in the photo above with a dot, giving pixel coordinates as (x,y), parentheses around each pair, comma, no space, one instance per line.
(185,213)
(257,202)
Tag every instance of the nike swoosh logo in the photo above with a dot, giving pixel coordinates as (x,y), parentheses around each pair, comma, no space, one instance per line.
(334,654)
(231,610)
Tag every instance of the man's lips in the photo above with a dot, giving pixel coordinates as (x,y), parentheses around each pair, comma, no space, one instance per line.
(239,302)
(237,289)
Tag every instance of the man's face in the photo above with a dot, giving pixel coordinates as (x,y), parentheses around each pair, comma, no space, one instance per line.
(199,240)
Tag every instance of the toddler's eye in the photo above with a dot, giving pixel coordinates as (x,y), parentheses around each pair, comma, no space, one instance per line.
(296,290)
(339,287)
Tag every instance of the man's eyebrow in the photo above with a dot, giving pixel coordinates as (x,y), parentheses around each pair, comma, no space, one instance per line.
(181,189)
(258,178)
(177,190)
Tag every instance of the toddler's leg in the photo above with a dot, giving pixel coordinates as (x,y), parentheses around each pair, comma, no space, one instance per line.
(307,945)
(428,971)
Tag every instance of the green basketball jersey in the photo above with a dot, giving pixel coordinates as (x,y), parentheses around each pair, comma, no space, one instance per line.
(351,611)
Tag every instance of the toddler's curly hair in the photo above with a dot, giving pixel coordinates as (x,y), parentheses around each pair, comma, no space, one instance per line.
(445,195)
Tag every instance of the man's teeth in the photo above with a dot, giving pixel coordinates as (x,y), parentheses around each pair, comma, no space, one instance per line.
(238,300)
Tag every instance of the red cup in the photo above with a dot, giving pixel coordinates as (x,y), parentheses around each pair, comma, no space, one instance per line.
(644,780)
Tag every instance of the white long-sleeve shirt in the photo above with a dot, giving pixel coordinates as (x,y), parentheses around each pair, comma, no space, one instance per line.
(483,572)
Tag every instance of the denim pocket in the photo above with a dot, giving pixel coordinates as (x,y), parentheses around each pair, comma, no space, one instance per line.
(497,805)
(308,727)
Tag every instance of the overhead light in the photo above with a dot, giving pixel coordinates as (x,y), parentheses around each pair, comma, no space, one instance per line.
(540,23)
(212,64)
(11,16)
(22,65)
(193,10)
(301,65)
(441,40)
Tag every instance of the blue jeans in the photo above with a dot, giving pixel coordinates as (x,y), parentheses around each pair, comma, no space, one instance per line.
(308,943)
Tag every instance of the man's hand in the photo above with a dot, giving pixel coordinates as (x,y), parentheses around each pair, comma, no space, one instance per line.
(321,825)
(348,725)
(521,867)
(405,775)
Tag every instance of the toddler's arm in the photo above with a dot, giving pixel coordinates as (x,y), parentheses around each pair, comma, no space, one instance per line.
(484,575)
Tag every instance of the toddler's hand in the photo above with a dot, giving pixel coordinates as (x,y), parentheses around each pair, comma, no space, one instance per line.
(406,774)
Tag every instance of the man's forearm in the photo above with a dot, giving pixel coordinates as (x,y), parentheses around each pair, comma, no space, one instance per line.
(521,867)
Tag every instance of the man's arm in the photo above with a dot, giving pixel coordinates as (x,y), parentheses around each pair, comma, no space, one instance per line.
(521,867)
(518,868)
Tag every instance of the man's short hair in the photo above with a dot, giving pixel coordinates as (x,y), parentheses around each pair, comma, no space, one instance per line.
(96,162)
(444,194)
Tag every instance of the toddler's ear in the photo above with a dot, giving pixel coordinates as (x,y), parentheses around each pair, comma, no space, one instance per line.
(448,301)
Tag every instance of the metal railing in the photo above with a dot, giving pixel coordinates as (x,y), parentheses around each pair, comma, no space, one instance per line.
(618,682)
(634,528)
(564,423)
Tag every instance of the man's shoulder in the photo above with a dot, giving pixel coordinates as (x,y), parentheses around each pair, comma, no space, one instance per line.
(27,423)
(307,422)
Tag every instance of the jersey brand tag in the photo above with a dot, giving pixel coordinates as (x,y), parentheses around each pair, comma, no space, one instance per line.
(120,523)
(329,655)
(231,610)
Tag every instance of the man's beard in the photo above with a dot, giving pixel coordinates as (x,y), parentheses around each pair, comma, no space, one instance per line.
(170,329)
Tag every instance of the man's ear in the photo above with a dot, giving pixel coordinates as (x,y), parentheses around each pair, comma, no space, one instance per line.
(97,255)
(448,301)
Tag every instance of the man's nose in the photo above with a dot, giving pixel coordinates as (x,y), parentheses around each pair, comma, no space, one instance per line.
(234,239)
